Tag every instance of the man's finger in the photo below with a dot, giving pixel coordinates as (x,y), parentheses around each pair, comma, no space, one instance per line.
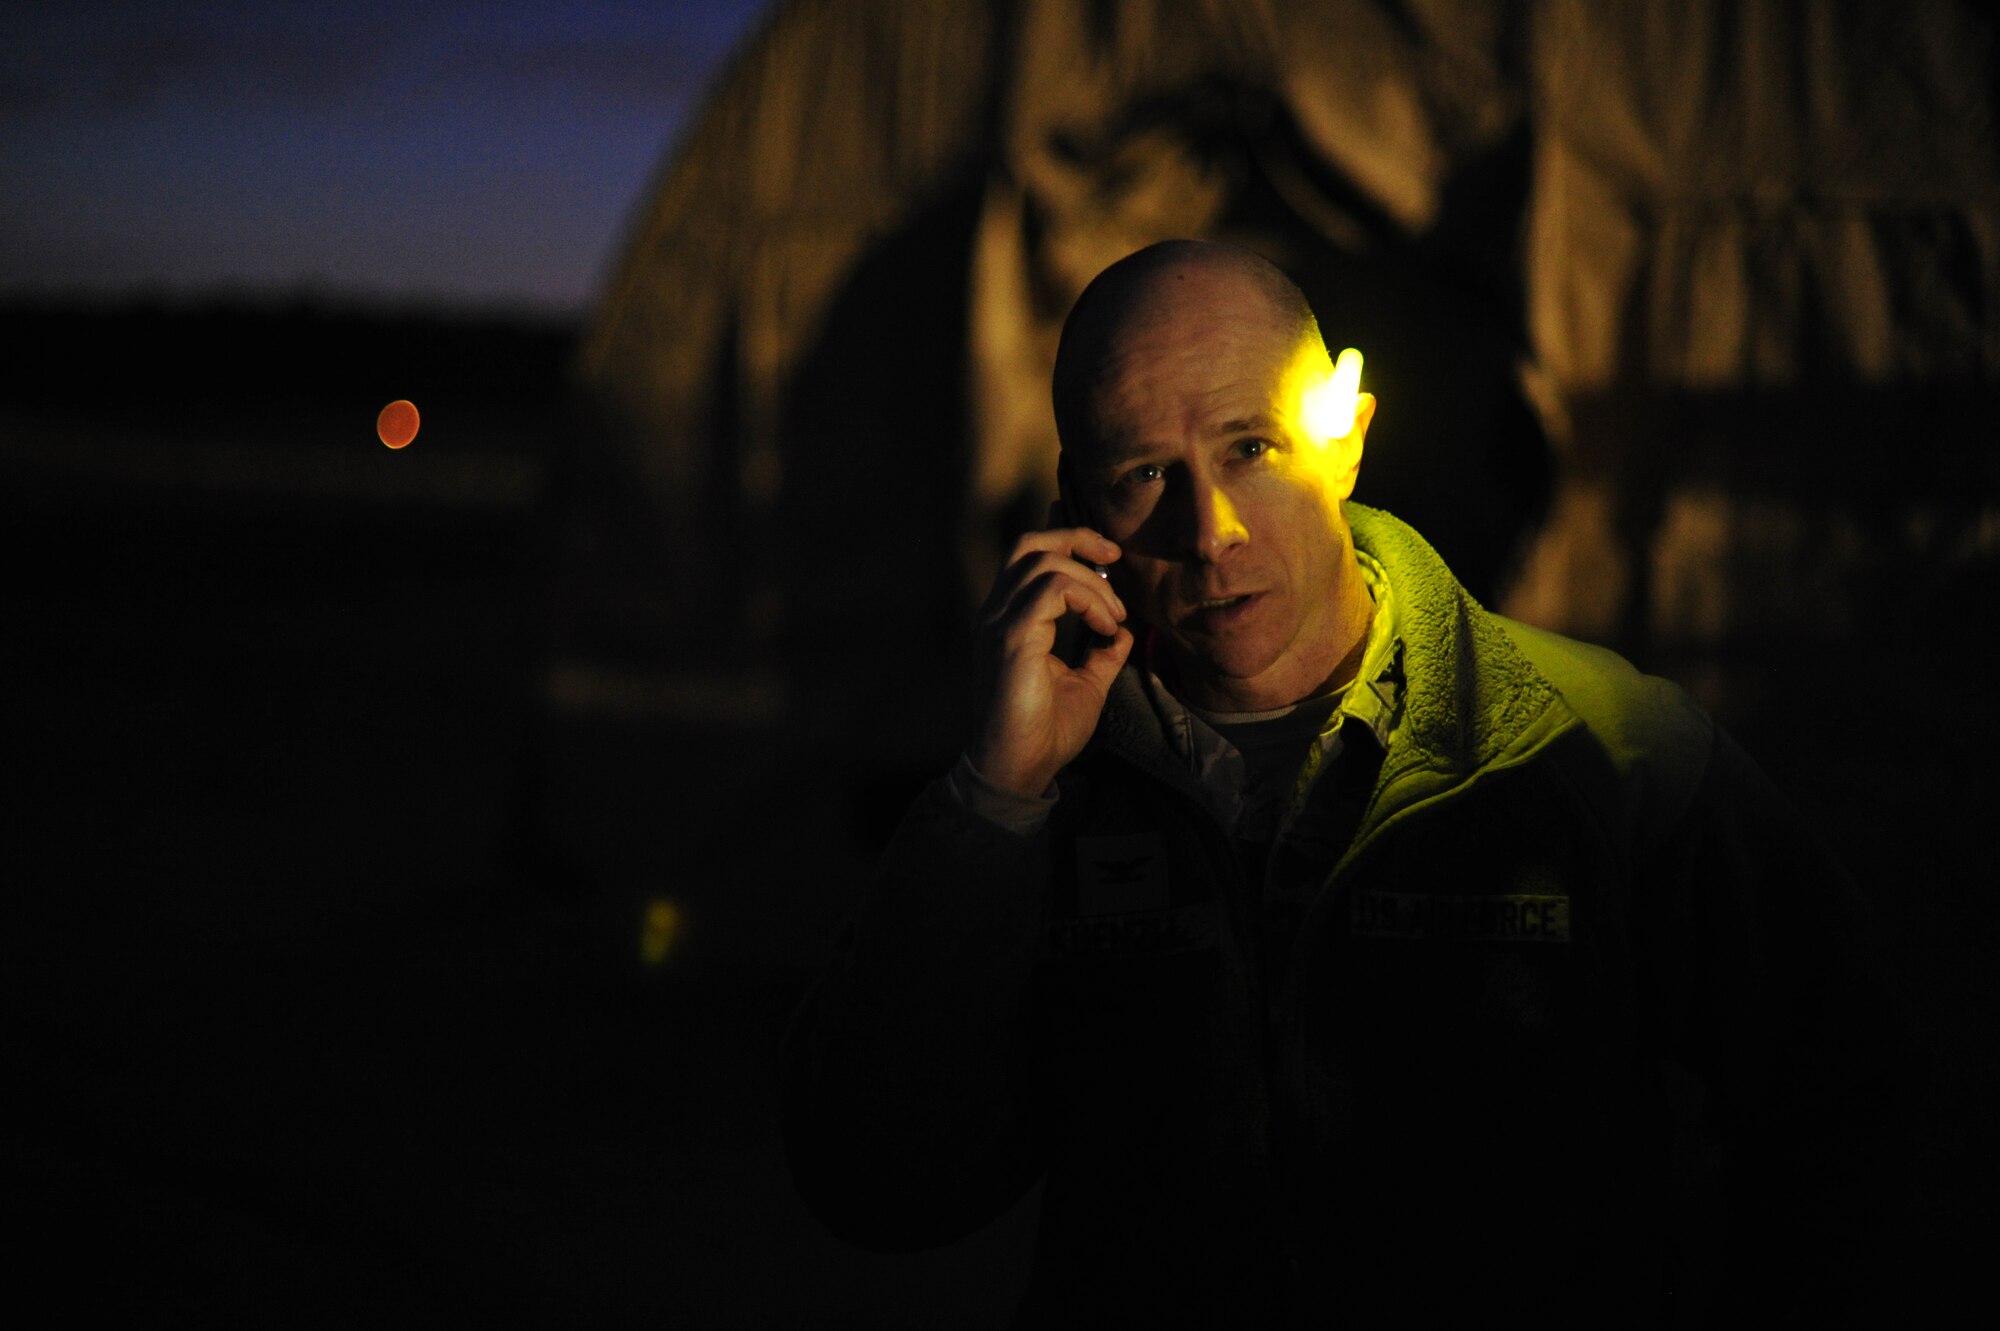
(1084,543)
(1029,558)
(1031,629)
(1037,575)
(1068,588)
(1032,552)
(1105,660)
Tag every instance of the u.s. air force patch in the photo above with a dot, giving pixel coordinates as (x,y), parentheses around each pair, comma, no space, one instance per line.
(1525,918)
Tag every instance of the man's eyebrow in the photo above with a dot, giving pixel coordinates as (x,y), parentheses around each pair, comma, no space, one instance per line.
(1118,450)
(1262,420)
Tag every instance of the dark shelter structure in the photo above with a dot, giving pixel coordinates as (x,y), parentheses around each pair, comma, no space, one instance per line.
(1681,315)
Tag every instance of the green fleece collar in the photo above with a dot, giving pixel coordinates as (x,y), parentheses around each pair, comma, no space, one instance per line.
(1469,695)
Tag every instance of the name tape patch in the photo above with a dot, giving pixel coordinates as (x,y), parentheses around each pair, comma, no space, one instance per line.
(1511,918)
(1155,933)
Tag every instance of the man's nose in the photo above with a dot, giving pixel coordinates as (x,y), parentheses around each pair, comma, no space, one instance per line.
(1214,525)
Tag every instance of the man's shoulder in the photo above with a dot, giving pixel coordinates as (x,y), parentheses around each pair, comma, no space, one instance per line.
(1639,720)
(1636,717)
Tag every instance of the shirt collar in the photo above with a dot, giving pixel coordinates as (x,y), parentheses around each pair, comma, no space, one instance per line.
(1375,695)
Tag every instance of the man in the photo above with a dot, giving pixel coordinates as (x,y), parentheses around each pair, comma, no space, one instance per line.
(1334,948)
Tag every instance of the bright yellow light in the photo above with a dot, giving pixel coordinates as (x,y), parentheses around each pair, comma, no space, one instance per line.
(1328,408)
(661,928)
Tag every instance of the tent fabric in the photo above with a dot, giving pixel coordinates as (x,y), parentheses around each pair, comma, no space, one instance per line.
(1637,203)
(1763,194)
(833,123)
(1762,236)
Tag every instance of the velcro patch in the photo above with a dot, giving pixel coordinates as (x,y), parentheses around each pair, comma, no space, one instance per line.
(1155,933)
(1509,918)
(1117,875)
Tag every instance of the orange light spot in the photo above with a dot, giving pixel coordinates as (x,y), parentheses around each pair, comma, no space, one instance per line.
(397,425)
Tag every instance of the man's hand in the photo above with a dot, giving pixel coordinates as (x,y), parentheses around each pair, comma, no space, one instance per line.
(1036,712)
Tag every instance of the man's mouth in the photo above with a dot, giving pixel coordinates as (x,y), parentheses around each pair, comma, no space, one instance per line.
(1220,612)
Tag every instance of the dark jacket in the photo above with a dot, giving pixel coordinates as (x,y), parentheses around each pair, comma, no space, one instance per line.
(1572,1028)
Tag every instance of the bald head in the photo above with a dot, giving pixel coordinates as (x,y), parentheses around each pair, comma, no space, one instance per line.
(1163,282)
(1183,393)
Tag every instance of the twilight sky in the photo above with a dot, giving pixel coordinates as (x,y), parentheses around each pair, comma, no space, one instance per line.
(473,153)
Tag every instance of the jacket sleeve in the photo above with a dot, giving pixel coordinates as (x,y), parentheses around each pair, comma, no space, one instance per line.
(908,1120)
(1791,1064)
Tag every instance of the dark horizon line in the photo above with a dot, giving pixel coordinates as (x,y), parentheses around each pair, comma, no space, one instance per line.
(299,298)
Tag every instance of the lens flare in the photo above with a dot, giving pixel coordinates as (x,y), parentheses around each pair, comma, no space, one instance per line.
(659,930)
(397,425)
(1329,405)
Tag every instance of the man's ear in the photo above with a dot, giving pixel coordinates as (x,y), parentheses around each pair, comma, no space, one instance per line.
(1347,450)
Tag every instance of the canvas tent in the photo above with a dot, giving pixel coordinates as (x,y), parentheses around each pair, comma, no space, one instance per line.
(1684,316)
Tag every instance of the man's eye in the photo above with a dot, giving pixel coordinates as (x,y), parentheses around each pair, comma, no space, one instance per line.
(1252,448)
(1144,474)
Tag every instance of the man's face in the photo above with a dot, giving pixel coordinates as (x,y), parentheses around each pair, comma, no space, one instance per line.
(1228,512)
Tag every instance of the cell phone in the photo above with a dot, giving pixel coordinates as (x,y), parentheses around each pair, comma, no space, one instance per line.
(1075,640)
